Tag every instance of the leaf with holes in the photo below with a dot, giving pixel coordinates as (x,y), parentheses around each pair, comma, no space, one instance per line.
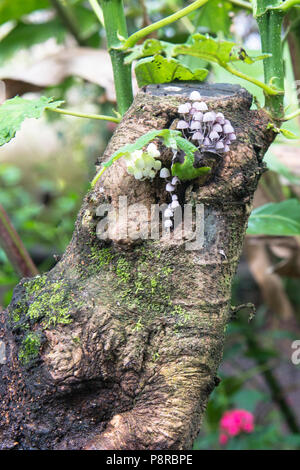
(150,47)
(159,69)
(214,50)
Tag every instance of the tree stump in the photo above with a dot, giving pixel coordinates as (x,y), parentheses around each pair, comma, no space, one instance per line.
(118,346)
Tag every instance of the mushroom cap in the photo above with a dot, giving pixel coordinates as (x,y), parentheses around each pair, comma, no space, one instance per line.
(164,173)
(195,95)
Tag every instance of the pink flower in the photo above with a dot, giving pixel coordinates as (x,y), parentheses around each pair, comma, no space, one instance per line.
(235,422)
(223,439)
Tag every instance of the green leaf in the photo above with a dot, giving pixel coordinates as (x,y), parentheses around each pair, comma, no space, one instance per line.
(25,35)
(186,170)
(206,48)
(14,9)
(280,219)
(214,16)
(87,21)
(248,399)
(13,112)
(288,134)
(274,164)
(149,48)
(215,50)
(159,69)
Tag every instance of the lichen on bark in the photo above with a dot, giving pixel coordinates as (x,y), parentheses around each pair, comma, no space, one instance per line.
(130,332)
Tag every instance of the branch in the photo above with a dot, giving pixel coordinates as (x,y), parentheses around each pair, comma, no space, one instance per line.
(271,91)
(288,117)
(242,4)
(14,248)
(287,5)
(135,37)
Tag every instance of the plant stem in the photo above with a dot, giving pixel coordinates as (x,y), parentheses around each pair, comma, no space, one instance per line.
(97,10)
(115,26)
(100,117)
(288,117)
(287,5)
(268,89)
(135,37)
(14,248)
(242,4)
(184,20)
(270,24)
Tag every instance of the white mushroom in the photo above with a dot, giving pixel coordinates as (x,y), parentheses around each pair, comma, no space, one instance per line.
(164,173)
(195,96)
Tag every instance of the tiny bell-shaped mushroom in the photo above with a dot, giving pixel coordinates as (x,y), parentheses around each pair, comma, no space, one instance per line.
(184,108)
(228,129)
(182,125)
(174,204)
(208,117)
(195,96)
(164,173)
(168,223)
(168,213)
(170,188)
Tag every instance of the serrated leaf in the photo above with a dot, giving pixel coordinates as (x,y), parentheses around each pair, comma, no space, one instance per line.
(280,219)
(206,48)
(14,111)
(159,69)
(215,50)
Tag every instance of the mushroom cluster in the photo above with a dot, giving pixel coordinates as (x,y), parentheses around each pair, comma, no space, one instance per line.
(207,130)
(142,164)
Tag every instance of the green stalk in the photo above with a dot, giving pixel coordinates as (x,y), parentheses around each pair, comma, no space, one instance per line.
(289,4)
(270,24)
(99,117)
(115,26)
(242,4)
(135,37)
(288,117)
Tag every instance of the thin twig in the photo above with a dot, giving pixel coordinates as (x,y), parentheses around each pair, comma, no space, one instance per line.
(14,248)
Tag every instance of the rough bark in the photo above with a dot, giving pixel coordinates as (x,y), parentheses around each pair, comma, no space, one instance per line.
(118,346)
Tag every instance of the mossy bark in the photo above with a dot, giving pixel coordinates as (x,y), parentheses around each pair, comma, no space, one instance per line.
(118,346)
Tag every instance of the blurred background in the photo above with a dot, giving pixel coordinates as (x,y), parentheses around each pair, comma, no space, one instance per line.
(57,48)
